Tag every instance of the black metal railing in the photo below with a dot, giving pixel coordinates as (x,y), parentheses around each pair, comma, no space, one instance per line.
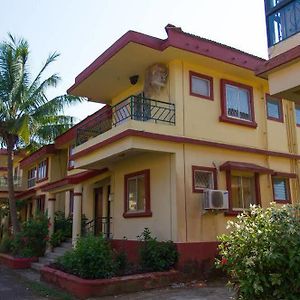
(97,226)
(136,108)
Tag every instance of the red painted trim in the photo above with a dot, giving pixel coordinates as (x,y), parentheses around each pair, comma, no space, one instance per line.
(27,193)
(86,288)
(278,61)
(281,117)
(3,168)
(284,174)
(147,212)
(48,149)
(208,169)
(176,39)
(70,135)
(38,180)
(205,77)
(242,166)
(52,199)
(224,117)
(176,139)
(16,262)
(287,183)
(73,179)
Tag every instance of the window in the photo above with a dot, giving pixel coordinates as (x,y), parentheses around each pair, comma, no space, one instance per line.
(31,177)
(297,111)
(281,189)
(203,178)
(137,194)
(40,203)
(237,103)
(274,109)
(201,86)
(71,162)
(42,170)
(243,192)
(283,19)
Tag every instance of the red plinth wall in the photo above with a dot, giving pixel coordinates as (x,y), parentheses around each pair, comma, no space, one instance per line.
(85,288)
(197,253)
(17,263)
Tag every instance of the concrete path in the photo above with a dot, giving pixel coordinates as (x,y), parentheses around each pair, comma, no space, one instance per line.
(12,287)
(195,291)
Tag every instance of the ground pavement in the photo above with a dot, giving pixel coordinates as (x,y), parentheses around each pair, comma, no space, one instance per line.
(25,285)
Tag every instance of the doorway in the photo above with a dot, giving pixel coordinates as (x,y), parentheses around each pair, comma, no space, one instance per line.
(98,209)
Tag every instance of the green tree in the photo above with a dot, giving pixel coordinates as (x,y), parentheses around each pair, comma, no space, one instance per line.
(27,117)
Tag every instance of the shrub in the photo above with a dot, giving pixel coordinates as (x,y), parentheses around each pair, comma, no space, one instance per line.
(261,253)
(156,256)
(63,225)
(32,239)
(6,244)
(92,258)
(57,238)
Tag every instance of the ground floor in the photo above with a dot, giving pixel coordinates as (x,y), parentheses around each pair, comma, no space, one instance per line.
(164,189)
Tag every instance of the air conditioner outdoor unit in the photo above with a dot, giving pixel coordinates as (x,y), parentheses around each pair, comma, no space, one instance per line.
(215,199)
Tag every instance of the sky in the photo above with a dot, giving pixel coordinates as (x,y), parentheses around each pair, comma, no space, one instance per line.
(80,30)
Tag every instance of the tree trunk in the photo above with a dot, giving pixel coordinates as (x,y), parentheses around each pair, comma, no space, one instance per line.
(11,190)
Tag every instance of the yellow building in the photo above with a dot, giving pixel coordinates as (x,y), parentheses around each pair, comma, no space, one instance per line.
(188,138)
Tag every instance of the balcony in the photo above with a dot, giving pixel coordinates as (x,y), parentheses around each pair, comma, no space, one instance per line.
(4,183)
(136,108)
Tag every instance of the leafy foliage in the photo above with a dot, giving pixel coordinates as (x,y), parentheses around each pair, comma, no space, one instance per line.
(6,244)
(31,241)
(92,258)
(261,253)
(156,256)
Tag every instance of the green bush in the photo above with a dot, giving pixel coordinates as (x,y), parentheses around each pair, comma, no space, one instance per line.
(156,256)
(63,225)
(92,258)
(6,244)
(57,238)
(32,240)
(261,254)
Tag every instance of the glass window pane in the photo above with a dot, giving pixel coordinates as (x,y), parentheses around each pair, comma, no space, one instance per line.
(297,108)
(200,86)
(232,99)
(280,189)
(203,180)
(248,191)
(244,104)
(273,108)
(141,193)
(132,194)
(236,193)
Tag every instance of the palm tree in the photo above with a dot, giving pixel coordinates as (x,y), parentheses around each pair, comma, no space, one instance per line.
(27,116)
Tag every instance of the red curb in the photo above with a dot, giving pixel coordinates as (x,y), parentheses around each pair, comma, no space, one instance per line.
(17,263)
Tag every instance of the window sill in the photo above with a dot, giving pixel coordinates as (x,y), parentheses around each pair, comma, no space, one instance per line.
(70,168)
(202,96)
(232,213)
(226,119)
(279,120)
(137,214)
(282,201)
(41,180)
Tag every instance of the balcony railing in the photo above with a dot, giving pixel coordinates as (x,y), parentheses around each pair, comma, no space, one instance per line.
(135,108)
(4,182)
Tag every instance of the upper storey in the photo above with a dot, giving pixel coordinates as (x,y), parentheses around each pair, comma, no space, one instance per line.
(283,29)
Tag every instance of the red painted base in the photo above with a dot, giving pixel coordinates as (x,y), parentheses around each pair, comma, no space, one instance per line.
(196,253)
(84,288)
(17,263)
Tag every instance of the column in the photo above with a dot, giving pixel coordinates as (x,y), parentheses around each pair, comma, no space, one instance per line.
(76,229)
(51,210)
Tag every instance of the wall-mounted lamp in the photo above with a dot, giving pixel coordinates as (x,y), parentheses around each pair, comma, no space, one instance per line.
(134,79)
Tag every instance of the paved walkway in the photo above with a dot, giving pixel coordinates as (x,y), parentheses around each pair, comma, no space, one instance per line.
(196,291)
(12,287)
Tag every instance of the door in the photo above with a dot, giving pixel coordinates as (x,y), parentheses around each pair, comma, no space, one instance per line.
(98,209)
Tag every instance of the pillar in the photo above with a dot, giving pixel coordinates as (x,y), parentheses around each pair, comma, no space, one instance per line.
(76,228)
(51,211)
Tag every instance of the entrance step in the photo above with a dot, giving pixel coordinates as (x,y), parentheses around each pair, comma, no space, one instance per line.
(51,256)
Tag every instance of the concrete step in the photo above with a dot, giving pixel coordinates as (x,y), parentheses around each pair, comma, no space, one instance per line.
(36,266)
(46,260)
(66,245)
(53,255)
